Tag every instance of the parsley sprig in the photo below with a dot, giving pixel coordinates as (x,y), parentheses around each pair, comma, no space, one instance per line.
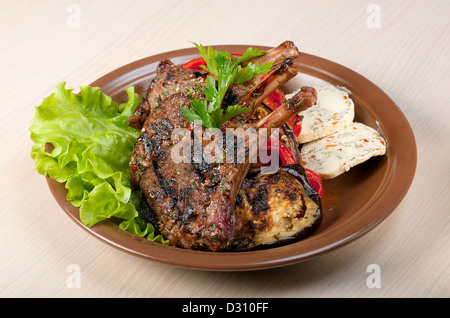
(227,71)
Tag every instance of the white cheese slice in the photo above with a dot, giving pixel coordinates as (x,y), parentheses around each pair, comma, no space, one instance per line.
(335,154)
(334,111)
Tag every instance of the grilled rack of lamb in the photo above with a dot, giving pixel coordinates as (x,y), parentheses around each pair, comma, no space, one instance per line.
(220,206)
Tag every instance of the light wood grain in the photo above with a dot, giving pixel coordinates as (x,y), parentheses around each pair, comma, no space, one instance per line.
(408,57)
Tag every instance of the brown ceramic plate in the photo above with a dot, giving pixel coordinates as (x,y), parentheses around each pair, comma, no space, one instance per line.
(353,203)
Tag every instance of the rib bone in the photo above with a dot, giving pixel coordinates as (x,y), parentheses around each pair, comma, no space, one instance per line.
(194,201)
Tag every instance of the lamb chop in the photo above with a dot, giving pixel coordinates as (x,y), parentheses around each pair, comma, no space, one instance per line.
(193,202)
(171,79)
(159,113)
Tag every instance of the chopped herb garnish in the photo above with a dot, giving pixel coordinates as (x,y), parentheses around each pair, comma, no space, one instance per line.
(228,71)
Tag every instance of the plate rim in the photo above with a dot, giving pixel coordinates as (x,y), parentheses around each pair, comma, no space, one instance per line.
(249,260)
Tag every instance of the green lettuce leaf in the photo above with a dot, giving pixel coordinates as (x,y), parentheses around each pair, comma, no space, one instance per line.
(92,145)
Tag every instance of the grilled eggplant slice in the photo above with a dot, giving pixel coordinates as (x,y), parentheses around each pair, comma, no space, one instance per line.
(277,209)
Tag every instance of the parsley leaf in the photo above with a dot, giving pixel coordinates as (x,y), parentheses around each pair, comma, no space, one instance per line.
(227,71)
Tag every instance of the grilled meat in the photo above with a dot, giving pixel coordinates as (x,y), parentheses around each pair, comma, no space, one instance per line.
(169,80)
(174,87)
(193,198)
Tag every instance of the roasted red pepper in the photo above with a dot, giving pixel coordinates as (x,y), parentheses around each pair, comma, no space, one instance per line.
(297,126)
(274,100)
(286,156)
(315,181)
(196,64)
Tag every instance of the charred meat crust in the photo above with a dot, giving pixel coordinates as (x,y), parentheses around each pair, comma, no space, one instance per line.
(194,202)
(212,224)
(169,79)
(191,200)
(156,134)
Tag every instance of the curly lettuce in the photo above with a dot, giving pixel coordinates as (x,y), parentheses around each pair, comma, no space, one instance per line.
(92,145)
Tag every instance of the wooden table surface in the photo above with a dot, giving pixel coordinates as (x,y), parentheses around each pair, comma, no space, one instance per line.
(402,46)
